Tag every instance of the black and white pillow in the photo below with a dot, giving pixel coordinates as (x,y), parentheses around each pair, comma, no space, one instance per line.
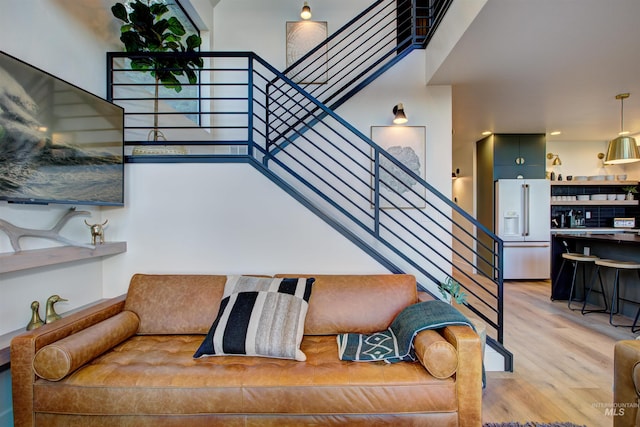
(260,317)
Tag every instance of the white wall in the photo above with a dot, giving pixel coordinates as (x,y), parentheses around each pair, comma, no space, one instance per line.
(222,219)
(68,39)
(207,217)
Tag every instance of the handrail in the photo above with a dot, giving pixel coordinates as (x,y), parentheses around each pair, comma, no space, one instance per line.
(355,55)
(235,114)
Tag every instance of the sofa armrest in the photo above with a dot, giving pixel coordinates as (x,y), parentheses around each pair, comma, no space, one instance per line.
(25,346)
(626,382)
(468,374)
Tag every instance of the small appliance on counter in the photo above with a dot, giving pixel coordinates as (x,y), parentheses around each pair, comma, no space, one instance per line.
(624,222)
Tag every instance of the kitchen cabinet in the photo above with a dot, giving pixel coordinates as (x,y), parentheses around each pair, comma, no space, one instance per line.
(518,155)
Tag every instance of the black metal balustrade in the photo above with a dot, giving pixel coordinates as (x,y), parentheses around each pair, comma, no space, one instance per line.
(235,114)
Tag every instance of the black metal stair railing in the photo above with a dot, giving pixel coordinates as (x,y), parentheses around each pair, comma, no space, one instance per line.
(350,59)
(360,189)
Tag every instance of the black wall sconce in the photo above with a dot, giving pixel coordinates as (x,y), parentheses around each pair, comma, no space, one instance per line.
(400,117)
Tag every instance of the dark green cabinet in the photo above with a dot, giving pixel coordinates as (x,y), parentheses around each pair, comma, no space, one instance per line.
(518,155)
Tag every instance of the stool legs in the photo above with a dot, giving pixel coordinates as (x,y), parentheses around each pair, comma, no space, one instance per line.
(615,299)
(573,282)
(604,295)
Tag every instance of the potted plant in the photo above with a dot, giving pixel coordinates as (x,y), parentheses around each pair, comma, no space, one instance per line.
(630,190)
(145,30)
(451,290)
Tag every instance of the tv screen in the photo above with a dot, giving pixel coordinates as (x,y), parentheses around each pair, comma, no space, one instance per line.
(58,143)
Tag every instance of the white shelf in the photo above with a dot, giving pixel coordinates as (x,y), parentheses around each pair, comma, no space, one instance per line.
(24,260)
(601,183)
(595,203)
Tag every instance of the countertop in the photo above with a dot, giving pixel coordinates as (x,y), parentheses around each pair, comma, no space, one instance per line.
(595,230)
(614,237)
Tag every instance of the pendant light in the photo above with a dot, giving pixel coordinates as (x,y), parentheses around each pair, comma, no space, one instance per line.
(622,149)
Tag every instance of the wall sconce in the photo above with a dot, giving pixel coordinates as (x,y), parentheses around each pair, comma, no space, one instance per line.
(306,11)
(556,161)
(398,112)
(455,174)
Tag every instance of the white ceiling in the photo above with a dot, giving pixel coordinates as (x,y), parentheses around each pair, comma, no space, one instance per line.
(535,66)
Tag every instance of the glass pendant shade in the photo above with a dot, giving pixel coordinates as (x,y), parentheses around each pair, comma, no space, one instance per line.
(622,149)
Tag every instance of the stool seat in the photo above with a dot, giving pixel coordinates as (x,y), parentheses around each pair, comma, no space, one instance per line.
(614,263)
(579,257)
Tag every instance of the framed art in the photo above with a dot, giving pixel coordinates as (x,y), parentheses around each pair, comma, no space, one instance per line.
(407,144)
(302,37)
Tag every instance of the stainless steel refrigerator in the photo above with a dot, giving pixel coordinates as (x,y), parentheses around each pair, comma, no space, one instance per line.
(522,209)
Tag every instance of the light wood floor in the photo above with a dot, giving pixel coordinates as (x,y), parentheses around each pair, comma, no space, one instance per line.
(563,361)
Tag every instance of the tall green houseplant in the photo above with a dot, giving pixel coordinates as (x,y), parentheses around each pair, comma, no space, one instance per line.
(145,30)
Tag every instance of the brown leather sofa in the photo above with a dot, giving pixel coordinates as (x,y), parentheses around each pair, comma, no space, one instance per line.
(626,384)
(128,361)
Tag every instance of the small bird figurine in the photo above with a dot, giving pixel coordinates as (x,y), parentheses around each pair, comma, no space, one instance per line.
(51,315)
(36,321)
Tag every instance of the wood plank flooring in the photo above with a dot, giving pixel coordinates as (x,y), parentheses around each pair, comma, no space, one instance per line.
(563,361)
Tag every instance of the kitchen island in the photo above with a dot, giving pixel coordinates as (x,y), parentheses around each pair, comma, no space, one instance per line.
(621,245)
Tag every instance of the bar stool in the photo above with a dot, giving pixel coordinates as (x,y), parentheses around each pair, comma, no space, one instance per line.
(615,296)
(577,259)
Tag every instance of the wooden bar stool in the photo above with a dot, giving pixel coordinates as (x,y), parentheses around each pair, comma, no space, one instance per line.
(615,295)
(577,259)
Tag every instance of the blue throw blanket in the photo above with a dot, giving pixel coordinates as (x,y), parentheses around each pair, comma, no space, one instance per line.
(396,343)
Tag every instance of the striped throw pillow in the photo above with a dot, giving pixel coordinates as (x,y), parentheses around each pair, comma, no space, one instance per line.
(260,317)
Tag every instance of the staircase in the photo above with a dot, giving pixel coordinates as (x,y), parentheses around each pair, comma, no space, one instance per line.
(244,110)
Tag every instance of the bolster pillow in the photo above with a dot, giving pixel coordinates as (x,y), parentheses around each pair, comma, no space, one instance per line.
(436,354)
(57,360)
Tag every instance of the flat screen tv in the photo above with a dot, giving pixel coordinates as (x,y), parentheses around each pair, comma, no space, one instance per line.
(58,143)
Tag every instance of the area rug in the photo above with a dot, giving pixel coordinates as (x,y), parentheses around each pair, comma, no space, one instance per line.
(531,424)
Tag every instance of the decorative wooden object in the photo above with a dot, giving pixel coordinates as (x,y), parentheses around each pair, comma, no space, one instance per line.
(16,233)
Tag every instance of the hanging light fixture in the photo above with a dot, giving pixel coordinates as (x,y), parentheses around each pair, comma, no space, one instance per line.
(622,149)
(306,11)
(400,117)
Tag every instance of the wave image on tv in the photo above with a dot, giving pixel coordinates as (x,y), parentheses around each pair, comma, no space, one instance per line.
(58,143)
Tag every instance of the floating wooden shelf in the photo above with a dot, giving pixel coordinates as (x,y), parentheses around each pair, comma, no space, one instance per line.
(600,183)
(24,260)
(594,203)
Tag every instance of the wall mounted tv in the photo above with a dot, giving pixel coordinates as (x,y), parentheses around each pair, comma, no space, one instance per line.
(58,143)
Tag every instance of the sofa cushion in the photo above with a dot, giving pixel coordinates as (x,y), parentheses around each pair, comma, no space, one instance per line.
(357,303)
(436,354)
(55,361)
(175,304)
(266,322)
(156,374)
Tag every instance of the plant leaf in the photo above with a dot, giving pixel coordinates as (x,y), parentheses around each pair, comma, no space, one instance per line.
(176,27)
(193,42)
(119,11)
(159,9)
